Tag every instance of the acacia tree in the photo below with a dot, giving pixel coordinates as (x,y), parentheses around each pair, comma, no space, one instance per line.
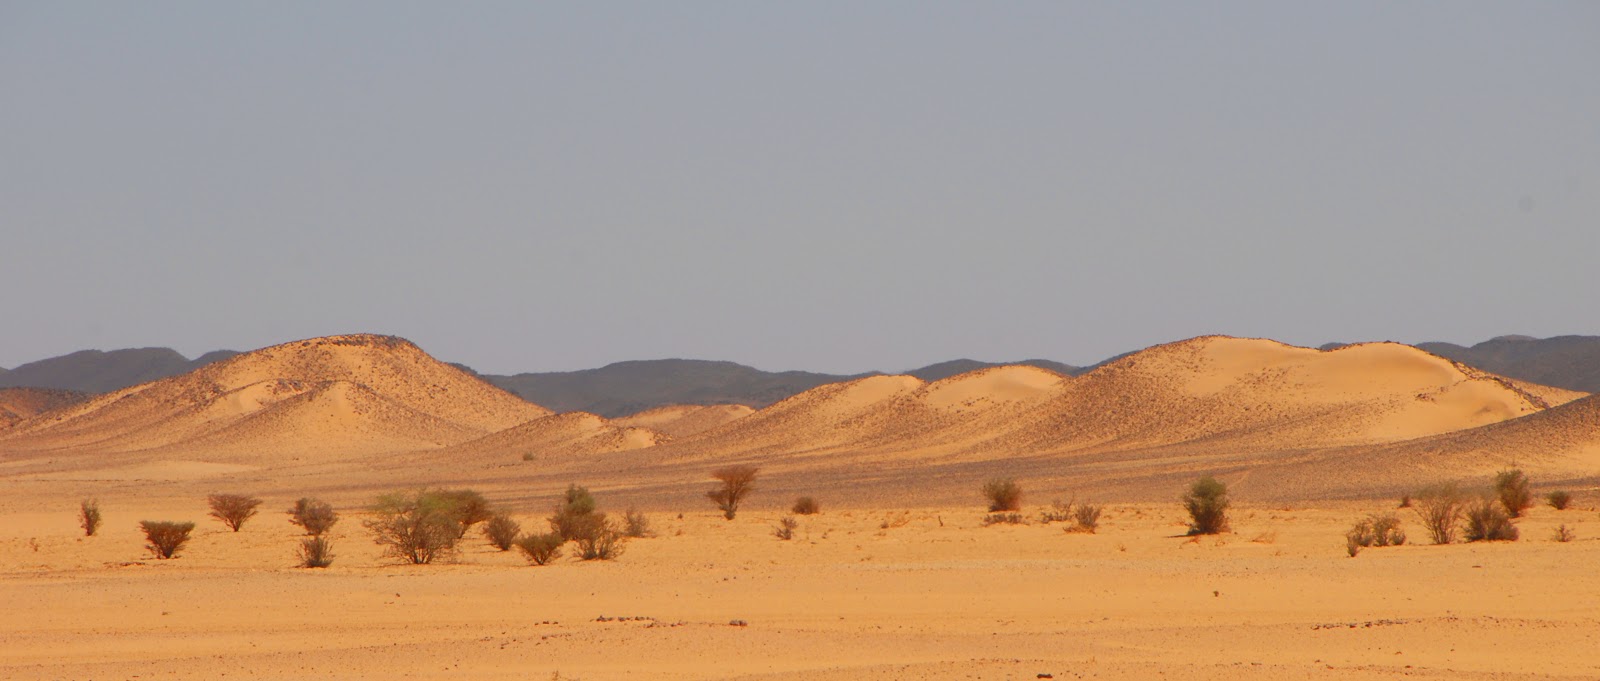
(737,483)
(233,509)
(416,527)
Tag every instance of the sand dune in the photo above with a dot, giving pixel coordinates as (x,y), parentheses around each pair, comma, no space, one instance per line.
(683,420)
(358,393)
(562,436)
(20,404)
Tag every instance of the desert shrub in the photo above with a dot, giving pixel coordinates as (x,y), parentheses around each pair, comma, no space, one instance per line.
(1374,530)
(1085,518)
(1512,489)
(1564,534)
(786,527)
(1405,500)
(737,483)
(314,515)
(469,507)
(1057,513)
(598,538)
(1488,520)
(540,549)
(417,527)
(1207,503)
(636,525)
(316,552)
(502,531)
(1559,499)
(233,509)
(89,517)
(166,538)
(1002,519)
(805,506)
(1440,509)
(575,507)
(1004,494)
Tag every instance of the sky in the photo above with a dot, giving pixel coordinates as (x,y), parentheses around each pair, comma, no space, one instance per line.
(827,186)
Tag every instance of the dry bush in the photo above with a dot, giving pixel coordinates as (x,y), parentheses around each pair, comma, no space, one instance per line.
(1512,489)
(636,525)
(577,504)
(316,552)
(89,517)
(1405,500)
(786,527)
(737,483)
(502,531)
(314,515)
(1207,503)
(1374,530)
(805,506)
(1085,518)
(1559,499)
(1002,519)
(233,509)
(417,527)
(1057,513)
(1004,494)
(1564,534)
(469,507)
(1440,508)
(1488,520)
(166,538)
(540,549)
(599,538)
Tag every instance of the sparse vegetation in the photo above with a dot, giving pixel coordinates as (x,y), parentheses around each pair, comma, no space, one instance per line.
(575,507)
(636,525)
(1374,530)
(233,509)
(598,538)
(314,515)
(1440,509)
(501,531)
(1405,500)
(1512,488)
(316,552)
(805,506)
(1058,512)
(1004,495)
(1085,518)
(89,517)
(469,507)
(166,537)
(1002,519)
(540,549)
(1559,499)
(1489,520)
(737,483)
(1564,534)
(417,527)
(786,527)
(1207,503)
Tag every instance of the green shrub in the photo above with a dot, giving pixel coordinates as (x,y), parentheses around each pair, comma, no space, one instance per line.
(166,538)
(1488,520)
(540,549)
(316,552)
(1440,508)
(1374,530)
(598,538)
(502,531)
(1207,503)
(1559,499)
(575,506)
(89,517)
(314,515)
(737,482)
(233,509)
(469,507)
(1512,489)
(1004,494)
(417,527)
(805,506)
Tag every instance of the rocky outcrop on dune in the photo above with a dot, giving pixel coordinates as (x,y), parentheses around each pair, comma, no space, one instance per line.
(351,394)
(19,404)
(684,420)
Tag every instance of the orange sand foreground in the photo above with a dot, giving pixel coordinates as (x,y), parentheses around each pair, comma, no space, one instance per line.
(891,594)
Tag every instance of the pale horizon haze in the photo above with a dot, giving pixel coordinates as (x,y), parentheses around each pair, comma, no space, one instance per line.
(836,187)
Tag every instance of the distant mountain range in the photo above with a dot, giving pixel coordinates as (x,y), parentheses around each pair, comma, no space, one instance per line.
(1571,362)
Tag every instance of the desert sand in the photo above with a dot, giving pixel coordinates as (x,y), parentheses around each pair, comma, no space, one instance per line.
(896,578)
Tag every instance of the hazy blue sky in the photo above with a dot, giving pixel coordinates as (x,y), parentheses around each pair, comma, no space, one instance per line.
(833,186)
